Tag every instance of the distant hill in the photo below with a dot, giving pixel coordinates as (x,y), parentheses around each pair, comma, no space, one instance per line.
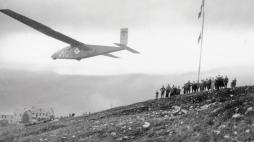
(77,93)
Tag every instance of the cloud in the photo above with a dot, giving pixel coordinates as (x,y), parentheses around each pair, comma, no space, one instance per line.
(111,14)
(105,13)
(232,13)
(167,27)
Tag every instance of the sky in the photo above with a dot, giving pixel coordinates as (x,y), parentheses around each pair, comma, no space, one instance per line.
(164,31)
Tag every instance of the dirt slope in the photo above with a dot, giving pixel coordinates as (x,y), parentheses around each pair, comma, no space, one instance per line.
(224,115)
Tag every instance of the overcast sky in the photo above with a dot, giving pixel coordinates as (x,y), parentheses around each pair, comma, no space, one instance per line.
(164,31)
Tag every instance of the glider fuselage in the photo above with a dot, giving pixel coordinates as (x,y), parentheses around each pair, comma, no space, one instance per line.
(78,53)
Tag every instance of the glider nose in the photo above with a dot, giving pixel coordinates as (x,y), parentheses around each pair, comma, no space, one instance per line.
(54,56)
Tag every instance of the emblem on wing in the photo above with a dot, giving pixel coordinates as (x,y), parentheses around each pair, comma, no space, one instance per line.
(76,51)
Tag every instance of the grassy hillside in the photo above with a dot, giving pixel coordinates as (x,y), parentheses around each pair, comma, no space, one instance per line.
(223,115)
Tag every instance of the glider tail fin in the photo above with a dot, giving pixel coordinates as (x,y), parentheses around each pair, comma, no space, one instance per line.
(124,36)
(124,41)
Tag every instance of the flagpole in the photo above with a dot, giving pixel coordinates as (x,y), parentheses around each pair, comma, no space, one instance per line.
(202,37)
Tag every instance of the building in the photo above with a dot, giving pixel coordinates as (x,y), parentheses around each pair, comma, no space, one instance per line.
(34,114)
(8,118)
(29,115)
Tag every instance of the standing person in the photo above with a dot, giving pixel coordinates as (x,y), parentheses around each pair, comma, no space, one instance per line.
(178,90)
(226,82)
(156,94)
(209,82)
(202,86)
(185,88)
(172,91)
(162,91)
(221,82)
(233,83)
(217,82)
(212,84)
(168,89)
(188,87)
(194,87)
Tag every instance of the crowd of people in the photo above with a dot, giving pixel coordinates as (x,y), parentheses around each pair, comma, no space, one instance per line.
(204,85)
(168,91)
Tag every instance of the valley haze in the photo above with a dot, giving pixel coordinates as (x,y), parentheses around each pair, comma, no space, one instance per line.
(91,93)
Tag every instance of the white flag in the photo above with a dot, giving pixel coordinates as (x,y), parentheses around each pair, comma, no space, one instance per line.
(201,9)
(199,14)
(200,37)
